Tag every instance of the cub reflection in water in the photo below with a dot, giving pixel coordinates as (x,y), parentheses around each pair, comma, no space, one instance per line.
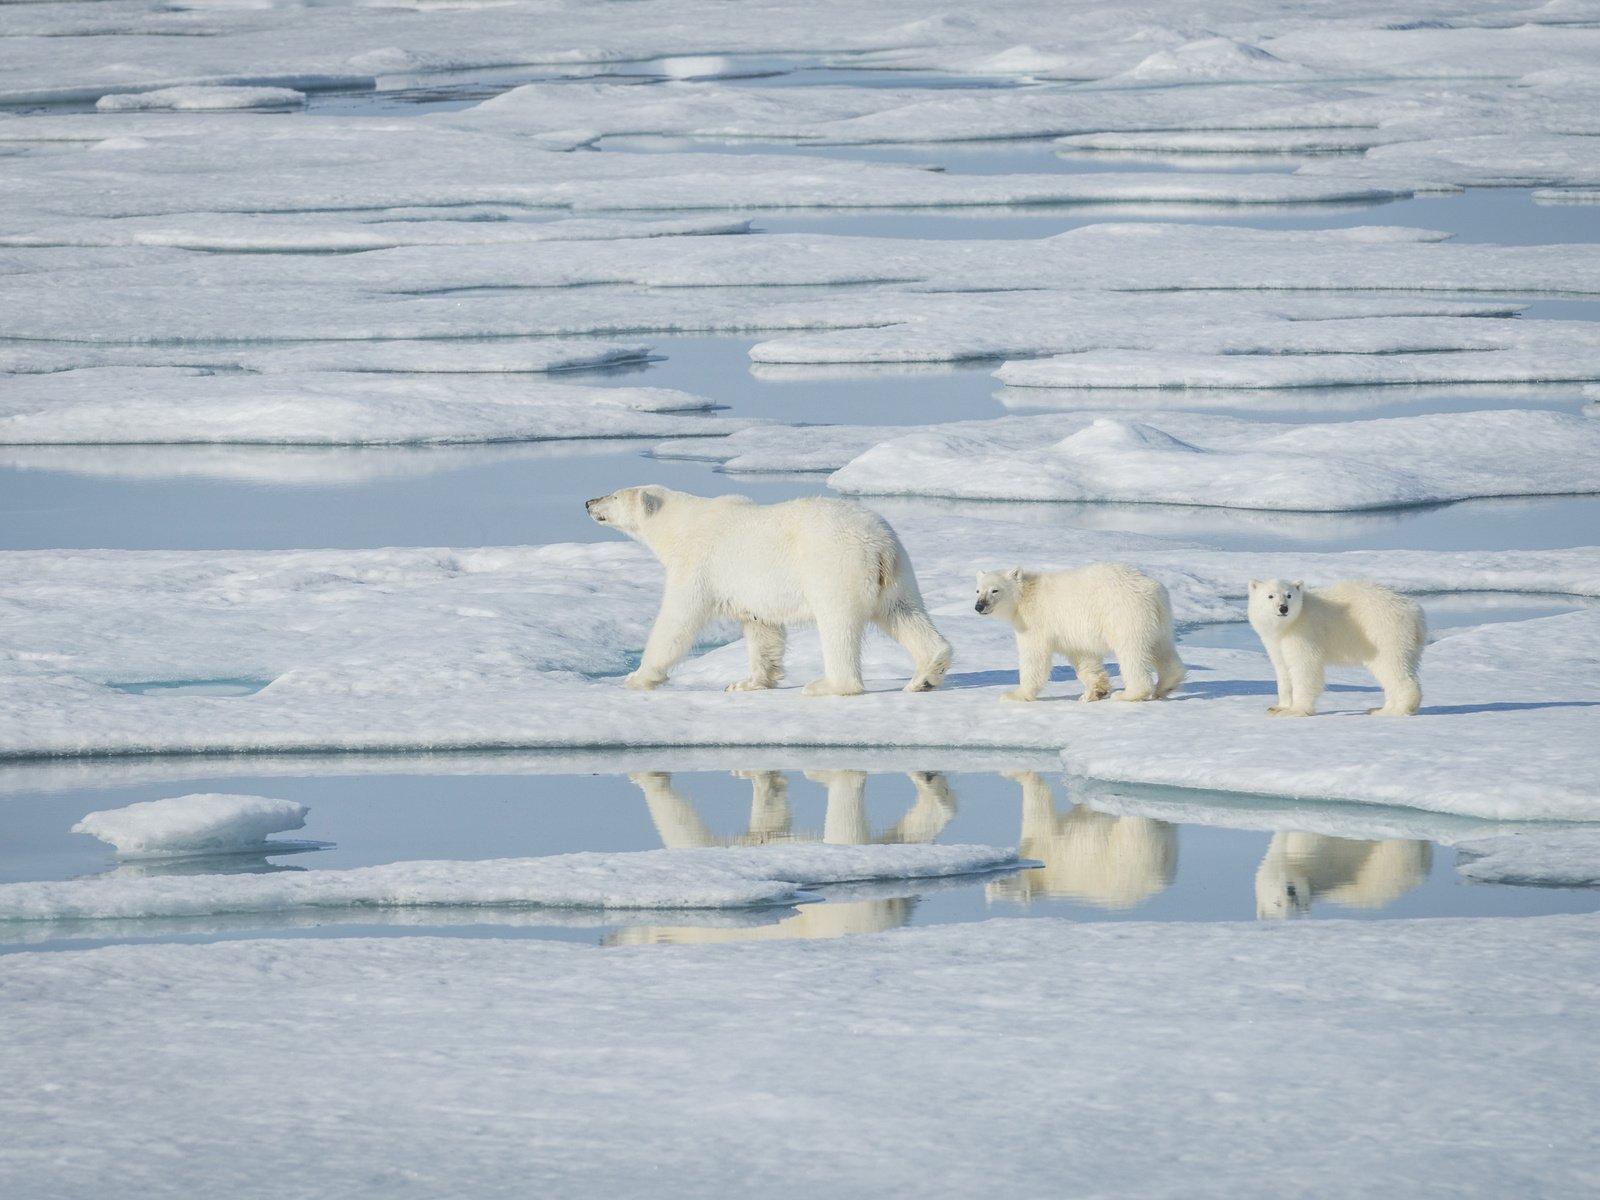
(1106,860)
(845,823)
(1300,867)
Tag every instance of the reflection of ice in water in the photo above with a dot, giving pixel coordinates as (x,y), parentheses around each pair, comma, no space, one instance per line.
(1302,867)
(1108,861)
(680,826)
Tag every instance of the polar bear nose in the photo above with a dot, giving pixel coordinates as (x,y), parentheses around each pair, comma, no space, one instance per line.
(1283,610)
(980,607)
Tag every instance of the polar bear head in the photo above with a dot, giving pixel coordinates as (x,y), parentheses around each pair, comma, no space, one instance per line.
(998,592)
(627,510)
(1274,600)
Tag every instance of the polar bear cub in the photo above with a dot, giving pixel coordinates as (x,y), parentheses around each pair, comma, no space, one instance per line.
(768,566)
(1082,614)
(1351,623)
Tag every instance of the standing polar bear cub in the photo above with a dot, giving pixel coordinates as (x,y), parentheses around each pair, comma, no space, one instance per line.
(769,566)
(1353,623)
(1082,614)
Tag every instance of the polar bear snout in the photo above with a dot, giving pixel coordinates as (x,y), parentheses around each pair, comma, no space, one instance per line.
(982,606)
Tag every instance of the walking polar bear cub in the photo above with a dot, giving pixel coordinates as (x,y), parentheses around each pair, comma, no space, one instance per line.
(1352,623)
(1082,614)
(768,566)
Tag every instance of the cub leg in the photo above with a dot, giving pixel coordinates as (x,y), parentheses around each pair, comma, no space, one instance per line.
(765,643)
(1285,683)
(1304,666)
(1033,668)
(1170,672)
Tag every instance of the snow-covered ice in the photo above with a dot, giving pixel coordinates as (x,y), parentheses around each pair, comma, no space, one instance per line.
(1550,858)
(1211,460)
(200,823)
(702,877)
(934,1056)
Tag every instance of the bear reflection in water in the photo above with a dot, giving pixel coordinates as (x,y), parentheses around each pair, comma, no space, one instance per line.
(1301,867)
(844,823)
(1105,860)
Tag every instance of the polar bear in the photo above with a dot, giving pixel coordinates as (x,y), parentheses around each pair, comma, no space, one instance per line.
(1351,623)
(768,566)
(1082,614)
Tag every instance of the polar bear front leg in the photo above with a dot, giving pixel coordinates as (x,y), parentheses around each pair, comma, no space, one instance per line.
(765,643)
(1285,690)
(1304,666)
(1033,668)
(841,656)
(672,636)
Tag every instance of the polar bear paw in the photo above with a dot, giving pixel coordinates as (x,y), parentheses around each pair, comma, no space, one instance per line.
(751,685)
(1289,712)
(642,682)
(1019,697)
(826,687)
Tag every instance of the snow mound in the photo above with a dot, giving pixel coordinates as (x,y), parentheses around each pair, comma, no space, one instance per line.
(196,99)
(711,877)
(201,823)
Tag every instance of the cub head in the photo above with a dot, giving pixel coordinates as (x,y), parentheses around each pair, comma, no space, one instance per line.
(1276,599)
(998,592)
(629,509)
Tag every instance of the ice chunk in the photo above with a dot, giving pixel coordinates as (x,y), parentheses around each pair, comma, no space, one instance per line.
(1219,461)
(706,877)
(1550,858)
(202,98)
(201,823)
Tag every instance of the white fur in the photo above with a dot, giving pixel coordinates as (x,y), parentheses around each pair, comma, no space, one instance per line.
(1083,614)
(769,566)
(1352,623)
(1301,867)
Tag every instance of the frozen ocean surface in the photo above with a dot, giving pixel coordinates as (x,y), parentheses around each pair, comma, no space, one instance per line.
(321,323)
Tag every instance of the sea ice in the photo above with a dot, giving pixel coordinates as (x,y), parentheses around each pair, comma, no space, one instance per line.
(202,98)
(705,877)
(1197,459)
(202,823)
(1548,858)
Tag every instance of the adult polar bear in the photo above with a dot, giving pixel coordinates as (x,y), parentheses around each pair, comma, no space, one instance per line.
(768,566)
(1351,623)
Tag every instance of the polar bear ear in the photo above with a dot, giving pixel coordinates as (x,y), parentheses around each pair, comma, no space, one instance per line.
(1298,586)
(650,500)
(1255,585)
(1015,574)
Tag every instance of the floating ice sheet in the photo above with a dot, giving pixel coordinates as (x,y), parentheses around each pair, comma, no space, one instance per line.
(476,1041)
(1186,458)
(190,99)
(115,404)
(705,877)
(524,648)
(202,823)
(1552,858)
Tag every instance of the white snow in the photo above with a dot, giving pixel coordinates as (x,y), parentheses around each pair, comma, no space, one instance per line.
(703,877)
(1418,1056)
(173,405)
(200,823)
(1550,858)
(202,98)
(1220,461)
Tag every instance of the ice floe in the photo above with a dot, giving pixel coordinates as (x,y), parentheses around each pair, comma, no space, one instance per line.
(1551,858)
(201,823)
(1197,459)
(704,877)
(202,98)
(475,1041)
(172,405)
(414,650)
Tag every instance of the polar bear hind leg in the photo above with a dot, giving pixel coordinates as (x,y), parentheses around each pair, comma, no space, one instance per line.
(929,651)
(1134,660)
(765,643)
(1402,694)
(1170,671)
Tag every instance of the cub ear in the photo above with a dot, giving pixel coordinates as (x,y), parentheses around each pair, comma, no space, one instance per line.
(980,575)
(1015,574)
(650,500)
(1298,586)
(1255,585)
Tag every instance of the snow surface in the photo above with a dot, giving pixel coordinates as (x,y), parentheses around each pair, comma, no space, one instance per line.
(202,98)
(1550,858)
(1226,462)
(201,823)
(704,877)
(364,1067)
